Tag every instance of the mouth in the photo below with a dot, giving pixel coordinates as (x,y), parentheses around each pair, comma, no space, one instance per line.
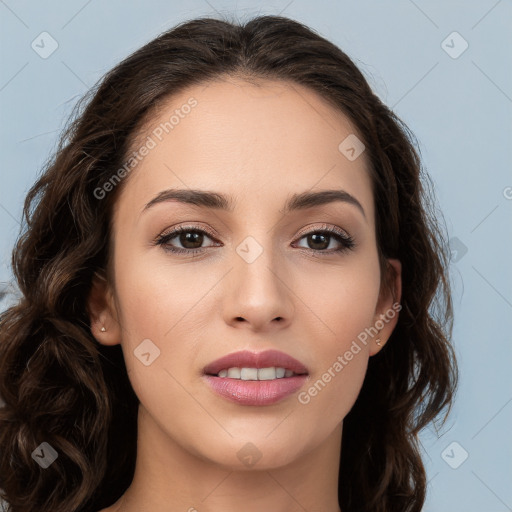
(269,373)
(246,365)
(249,378)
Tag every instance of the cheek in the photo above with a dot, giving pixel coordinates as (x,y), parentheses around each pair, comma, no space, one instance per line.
(332,392)
(339,301)
(340,308)
(164,310)
(156,304)
(152,303)
(341,361)
(156,299)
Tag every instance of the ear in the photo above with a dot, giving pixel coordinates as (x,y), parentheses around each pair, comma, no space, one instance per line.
(103,313)
(388,305)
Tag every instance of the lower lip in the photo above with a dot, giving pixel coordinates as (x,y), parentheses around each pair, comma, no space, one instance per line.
(255,392)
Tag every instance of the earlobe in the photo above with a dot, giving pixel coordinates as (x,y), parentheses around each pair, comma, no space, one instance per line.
(388,307)
(102,312)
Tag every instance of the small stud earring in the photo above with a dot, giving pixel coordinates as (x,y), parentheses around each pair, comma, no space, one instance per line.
(103,329)
(378,342)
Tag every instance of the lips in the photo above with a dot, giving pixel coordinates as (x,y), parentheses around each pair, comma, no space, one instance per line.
(247,359)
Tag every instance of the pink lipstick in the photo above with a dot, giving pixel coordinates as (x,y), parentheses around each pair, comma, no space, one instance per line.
(255,378)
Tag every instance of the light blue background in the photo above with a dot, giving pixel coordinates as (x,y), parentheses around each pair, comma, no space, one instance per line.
(460,110)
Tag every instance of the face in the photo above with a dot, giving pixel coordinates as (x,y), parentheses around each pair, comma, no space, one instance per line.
(257,273)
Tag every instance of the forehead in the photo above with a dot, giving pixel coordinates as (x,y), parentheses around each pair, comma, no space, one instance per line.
(264,140)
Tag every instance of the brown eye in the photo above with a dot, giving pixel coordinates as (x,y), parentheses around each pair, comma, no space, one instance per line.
(190,239)
(320,240)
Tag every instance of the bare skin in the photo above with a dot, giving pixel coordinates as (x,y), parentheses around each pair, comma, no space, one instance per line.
(260,145)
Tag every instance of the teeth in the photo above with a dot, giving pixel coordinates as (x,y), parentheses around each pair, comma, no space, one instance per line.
(267,374)
(234,373)
(249,374)
(256,373)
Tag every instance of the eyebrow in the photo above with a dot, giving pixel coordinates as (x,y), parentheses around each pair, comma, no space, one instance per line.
(217,201)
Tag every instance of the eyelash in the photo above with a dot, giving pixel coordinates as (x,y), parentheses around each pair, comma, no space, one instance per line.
(346,241)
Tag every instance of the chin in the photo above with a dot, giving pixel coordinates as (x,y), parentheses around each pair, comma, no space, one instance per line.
(253,452)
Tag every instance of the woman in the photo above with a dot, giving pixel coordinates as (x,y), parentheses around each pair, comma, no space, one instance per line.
(234,293)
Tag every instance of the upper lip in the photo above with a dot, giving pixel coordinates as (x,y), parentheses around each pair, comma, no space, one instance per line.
(247,359)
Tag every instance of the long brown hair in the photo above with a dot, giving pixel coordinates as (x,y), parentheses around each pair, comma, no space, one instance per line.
(60,386)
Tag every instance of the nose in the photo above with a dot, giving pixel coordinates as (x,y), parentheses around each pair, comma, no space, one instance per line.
(258,293)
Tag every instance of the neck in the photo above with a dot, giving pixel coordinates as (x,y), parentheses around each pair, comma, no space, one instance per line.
(169,477)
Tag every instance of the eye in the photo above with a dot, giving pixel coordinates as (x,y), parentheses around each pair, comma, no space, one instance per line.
(321,239)
(190,238)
